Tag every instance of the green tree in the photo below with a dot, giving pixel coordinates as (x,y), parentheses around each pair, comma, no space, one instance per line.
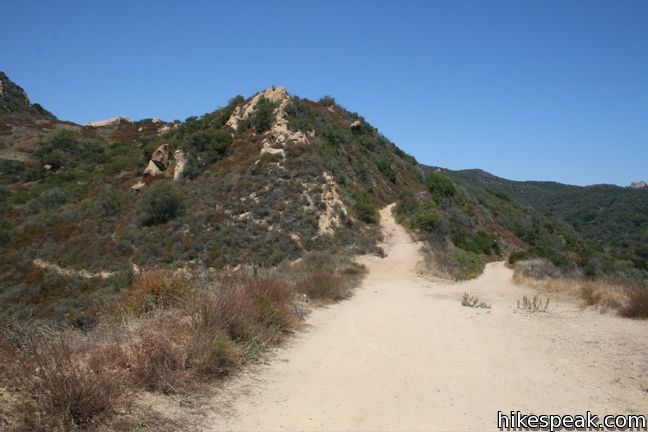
(160,204)
(440,186)
(263,116)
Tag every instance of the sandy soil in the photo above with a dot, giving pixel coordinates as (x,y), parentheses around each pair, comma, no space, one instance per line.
(403,354)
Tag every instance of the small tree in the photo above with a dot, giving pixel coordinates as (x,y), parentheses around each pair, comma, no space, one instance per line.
(263,115)
(160,204)
(327,101)
(440,186)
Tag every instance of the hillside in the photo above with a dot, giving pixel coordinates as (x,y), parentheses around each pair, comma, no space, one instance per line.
(262,181)
(612,220)
(259,182)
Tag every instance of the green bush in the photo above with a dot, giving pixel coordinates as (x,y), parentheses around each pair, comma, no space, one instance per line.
(49,200)
(385,167)
(426,218)
(365,208)
(440,186)
(479,243)
(110,202)
(203,149)
(468,265)
(406,205)
(161,203)
(263,117)
(519,256)
(64,149)
(327,101)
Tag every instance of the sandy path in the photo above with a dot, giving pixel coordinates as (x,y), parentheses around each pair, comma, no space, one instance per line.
(403,354)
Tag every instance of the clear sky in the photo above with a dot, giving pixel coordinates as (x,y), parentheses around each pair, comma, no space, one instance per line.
(542,90)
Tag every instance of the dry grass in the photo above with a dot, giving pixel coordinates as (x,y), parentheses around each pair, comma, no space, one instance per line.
(600,293)
(158,357)
(61,390)
(323,286)
(155,289)
(629,298)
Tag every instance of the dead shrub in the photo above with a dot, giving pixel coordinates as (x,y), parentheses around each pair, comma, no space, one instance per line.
(323,286)
(272,298)
(159,358)
(590,295)
(62,390)
(636,305)
(230,309)
(212,354)
(156,289)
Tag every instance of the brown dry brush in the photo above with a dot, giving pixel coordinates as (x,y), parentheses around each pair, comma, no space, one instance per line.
(628,297)
(60,388)
(637,304)
(170,336)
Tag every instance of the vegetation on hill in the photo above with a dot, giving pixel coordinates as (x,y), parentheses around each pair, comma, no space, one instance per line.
(267,180)
(609,223)
(235,204)
(13,99)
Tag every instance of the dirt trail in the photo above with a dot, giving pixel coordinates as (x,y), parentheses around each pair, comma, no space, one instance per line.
(403,354)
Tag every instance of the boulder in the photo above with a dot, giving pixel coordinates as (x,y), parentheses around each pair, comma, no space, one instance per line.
(137,187)
(356,125)
(159,162)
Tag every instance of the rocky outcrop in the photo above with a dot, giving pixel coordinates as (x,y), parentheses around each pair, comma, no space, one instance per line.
(274,143)
(181,162)
(159,162)
(274,94)
(110,122)
(355,126)
(638,184)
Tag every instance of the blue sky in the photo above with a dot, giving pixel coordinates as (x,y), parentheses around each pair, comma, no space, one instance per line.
(542,90)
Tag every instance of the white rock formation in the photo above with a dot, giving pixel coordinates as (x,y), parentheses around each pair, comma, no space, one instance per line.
(137,187)
(335,207)
(638,184)
(110,121)
(274,94)
(181,162)
(159,162)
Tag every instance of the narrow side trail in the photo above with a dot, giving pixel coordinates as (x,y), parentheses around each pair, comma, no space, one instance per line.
(403,354)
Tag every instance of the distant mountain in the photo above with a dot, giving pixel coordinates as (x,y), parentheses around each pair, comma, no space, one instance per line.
(613,219)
